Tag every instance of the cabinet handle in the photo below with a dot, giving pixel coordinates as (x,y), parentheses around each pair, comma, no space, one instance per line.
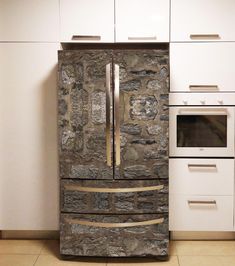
(117,115)
(86,38)
(147,38)
(204,36)
(203,87)
(202,166)
(114,225)
(112,190)
(202,202)
(203,111)
(108,125)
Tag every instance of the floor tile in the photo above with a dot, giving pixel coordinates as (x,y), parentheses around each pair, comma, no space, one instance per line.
(21,246)
(207,260)
(173,261)
(173,250)
(50,260)
(17,260)
(200,248)
(51,247)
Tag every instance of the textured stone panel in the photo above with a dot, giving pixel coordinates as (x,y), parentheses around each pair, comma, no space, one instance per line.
(98,111)
(136,172)
(131,85)
(143,107)
(132,129)
(68,74)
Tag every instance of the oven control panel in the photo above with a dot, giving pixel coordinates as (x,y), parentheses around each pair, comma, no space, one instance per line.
(200,99)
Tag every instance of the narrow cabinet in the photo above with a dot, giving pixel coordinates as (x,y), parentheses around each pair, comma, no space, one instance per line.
(202,20)
(87,21)
(28,153)
(142,21)
(27,20)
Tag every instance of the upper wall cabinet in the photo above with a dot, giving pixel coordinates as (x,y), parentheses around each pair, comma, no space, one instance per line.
(87,20)
(202,20)
(142,21)
(27,20)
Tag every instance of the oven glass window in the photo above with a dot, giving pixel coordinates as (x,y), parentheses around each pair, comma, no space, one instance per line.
(201,131)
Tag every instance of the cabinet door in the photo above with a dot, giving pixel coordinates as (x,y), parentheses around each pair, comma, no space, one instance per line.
(84,119)
(202,67)
(29,198)
(142,21)
(202,20)
(141,110)
(87,20)
(27,20)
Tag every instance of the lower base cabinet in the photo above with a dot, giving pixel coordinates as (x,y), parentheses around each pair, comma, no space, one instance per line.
(114,235)
(201,213)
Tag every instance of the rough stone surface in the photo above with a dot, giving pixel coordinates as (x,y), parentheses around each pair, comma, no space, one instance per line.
(131,85)
(98,107)
(144,241)
(132,129)
(143,107)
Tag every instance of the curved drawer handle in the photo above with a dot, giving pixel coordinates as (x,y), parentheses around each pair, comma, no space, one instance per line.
(112,190)
(114,225)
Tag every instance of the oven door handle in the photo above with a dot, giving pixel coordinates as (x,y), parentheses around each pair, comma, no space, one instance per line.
(203,111)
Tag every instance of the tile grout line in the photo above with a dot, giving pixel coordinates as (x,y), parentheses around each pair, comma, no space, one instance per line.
(178,260)
(36,260)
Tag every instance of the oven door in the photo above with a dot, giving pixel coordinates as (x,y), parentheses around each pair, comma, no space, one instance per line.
(202,131)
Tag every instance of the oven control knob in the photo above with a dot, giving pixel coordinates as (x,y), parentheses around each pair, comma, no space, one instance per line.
(185,102)
(203,102)
(220,101)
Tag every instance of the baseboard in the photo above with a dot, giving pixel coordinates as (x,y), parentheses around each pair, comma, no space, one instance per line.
(193,235)
(29,234)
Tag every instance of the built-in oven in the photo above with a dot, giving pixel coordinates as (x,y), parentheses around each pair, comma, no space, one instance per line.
(202,124)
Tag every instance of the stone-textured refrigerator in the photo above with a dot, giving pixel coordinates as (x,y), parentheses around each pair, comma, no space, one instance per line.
(113,152)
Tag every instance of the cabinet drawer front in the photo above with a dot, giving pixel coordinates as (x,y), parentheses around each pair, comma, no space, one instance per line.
(195,67)
(114,196)
(201,176)
(201,213)
(149,22)
(87,21)
(202,20)
(114,235)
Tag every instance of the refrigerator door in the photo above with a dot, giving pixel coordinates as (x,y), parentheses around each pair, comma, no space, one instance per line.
(141,85)
(85,118)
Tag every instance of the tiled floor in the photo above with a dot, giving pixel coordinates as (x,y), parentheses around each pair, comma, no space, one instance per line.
(183,253)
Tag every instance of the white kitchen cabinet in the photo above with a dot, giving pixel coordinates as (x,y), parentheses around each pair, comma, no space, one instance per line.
(201,176)
(202,20)
(27,20)
(202,67)
(87,21)
(28,136)
(142,21)
(200,213)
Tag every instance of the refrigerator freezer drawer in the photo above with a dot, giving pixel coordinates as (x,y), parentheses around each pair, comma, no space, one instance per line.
(96,196)
(114,235)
